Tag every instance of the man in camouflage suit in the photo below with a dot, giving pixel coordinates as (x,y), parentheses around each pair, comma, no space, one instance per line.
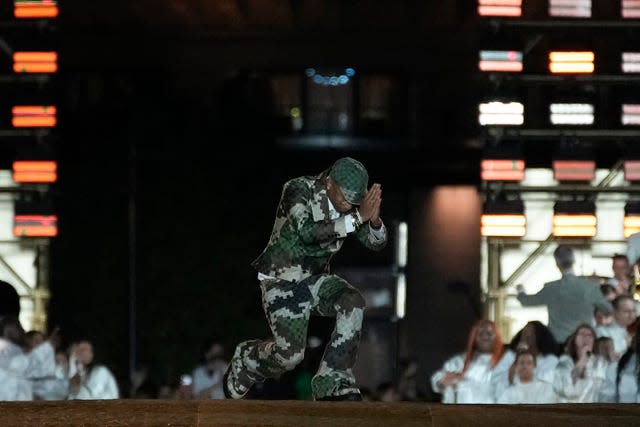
(314,217)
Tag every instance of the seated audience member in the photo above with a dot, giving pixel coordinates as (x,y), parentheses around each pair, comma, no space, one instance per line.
(622,281)
(628,375)
(604,348)
(608,291)
(18,368)
(87,379)
(32,339)
(466,377)
(56,386)
(207,377)
(536,338)
(526,388)
(601,319)
(580,374)
(624,315)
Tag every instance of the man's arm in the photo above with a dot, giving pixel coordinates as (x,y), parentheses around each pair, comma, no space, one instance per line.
(537,299)
(294,204)
(373,234)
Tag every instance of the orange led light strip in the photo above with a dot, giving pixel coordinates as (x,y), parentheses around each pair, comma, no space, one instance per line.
(35,9)
(632,170)
(502,225)
(574,170)
(631,225)
(35,62)
(31,116)
(35,225)
(502,170)
(499,7)
(630,9)
(35,171)
(580,225)
(571,62)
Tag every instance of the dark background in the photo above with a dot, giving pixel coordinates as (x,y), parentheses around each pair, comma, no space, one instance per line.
(171,164)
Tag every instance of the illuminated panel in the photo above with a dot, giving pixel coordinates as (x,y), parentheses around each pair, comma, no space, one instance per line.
(499,113)
(571,114)
(631,220)
(574,225)
(632,170)
(34,116)
(35,171)
(35,8)
(35,225)
(35,62)
(502,170)
(631,224)
(630,114)
(631,62)
(503,225)
(574,170)
(571,62)
(499,7)
(630,9)
(500,60)
(570,8)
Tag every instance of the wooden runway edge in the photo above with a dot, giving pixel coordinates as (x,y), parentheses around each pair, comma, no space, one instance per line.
(282,413)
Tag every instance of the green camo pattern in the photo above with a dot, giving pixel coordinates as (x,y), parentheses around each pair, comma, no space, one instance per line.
(304,238)
(288,306)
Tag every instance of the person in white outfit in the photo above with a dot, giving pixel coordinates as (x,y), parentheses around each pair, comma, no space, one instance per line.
(536,338)
(527,388)
(605,349)
(466,377)
(628,375)
(18,368)
(207,377)
(580,374)
(624,314)
(87,380)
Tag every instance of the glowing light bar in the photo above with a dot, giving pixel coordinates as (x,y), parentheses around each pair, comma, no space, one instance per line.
(574,225)
(35,62)
(499,113)
(630,114)
(35,226)
(500,60)
(502,170)
(571,62)
(35,9)
(631,61)
(632,170)
(571,114)
(570,8)
(631,224)
(574,219)
(630,9)
(574,170)
(631,220)
(34,116)
(503,225)
(35,171)
(499,7)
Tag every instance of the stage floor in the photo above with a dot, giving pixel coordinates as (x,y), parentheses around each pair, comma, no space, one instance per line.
(303,414)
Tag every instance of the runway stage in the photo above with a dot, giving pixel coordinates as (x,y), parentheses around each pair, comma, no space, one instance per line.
(285,413)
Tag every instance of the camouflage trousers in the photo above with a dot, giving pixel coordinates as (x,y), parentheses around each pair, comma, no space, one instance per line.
(288,307)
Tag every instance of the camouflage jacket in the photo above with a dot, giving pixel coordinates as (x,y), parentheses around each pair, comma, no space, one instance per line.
(304,237)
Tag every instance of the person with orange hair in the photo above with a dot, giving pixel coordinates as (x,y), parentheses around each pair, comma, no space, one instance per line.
(466,377)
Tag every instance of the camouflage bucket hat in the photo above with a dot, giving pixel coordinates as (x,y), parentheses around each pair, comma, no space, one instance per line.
(351,177)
